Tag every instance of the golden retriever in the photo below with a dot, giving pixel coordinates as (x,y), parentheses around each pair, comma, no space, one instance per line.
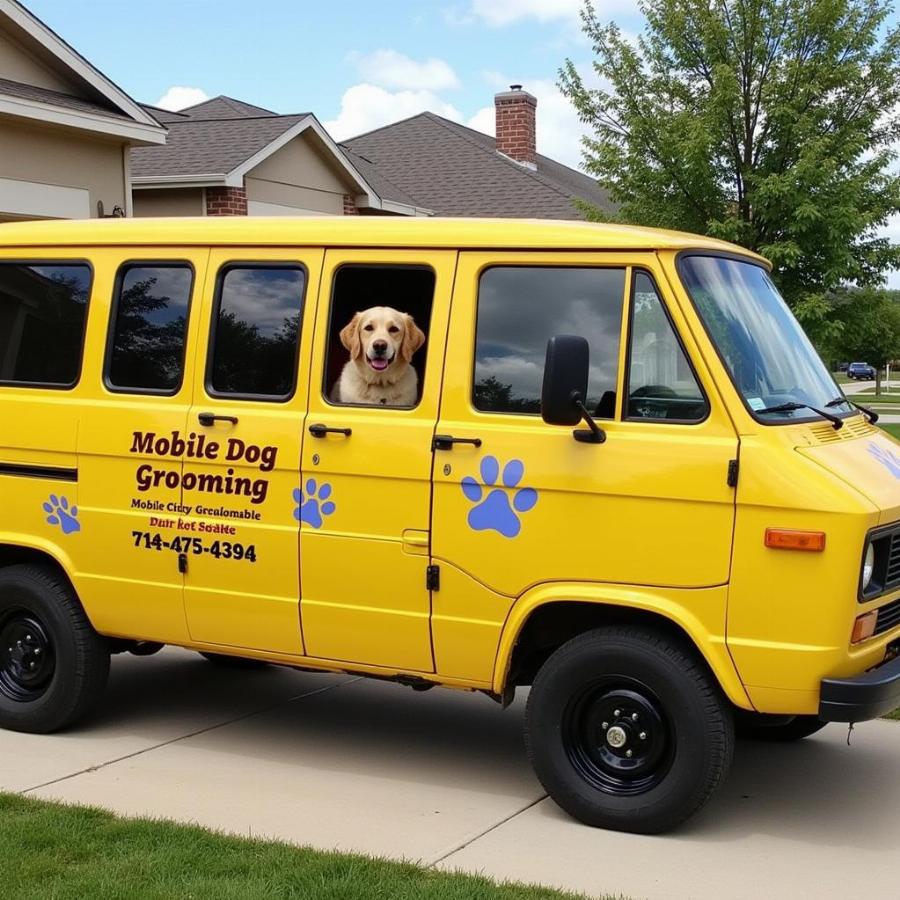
(381,341)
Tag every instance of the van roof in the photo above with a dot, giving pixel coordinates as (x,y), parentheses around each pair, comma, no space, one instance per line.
(363,231)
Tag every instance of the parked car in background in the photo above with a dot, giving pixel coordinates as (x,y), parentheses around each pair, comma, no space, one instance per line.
(842,367)
(861,371)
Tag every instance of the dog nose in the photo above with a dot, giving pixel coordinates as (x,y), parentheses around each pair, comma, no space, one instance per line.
(379,346)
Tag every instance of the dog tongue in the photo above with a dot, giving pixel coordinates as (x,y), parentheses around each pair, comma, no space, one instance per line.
(378,364)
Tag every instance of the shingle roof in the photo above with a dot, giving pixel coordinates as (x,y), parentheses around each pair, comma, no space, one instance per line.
(163,115)
(209,146)
(57,98)
(383,186)
(456,171)
(223,107)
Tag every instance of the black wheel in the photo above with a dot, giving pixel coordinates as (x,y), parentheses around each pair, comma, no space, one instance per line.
(234,662)
(53,665)
(627,730)
(759,727)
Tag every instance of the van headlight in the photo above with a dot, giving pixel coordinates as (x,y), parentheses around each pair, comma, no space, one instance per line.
(868,567)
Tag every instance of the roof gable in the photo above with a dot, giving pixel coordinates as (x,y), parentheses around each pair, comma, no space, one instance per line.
(73,68)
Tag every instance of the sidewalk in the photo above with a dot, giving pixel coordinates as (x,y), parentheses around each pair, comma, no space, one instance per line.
(441,778)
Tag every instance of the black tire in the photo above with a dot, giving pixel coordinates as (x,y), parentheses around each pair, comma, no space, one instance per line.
(775,729)
(234,662)
(688,731)
(53,665)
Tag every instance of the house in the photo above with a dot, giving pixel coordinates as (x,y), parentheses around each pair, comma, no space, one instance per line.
(66,131)
(457,171)
(228,157)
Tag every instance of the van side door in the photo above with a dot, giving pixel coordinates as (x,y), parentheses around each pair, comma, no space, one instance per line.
(530,504)
(365,501)
(134,398)
(239,534)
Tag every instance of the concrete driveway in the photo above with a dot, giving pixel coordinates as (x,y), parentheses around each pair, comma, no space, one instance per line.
(441,778)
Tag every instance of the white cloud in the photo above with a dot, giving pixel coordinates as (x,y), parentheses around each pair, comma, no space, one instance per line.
(499,13)
(367,106)
(179,97)
(892,231)
(559,130)
(390,69)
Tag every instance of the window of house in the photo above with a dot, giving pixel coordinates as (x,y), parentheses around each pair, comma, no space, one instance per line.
(149,328)
(378,335)
(521,308)
(661,383)
(256,331)
(43,311)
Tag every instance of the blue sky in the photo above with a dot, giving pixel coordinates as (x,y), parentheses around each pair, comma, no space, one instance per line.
(356,65)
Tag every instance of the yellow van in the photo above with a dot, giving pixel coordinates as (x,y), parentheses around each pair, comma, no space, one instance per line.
(601,462)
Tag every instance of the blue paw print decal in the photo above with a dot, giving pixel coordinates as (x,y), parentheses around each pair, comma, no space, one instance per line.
(887,458)
(496,512)
(60,513)
(316,504)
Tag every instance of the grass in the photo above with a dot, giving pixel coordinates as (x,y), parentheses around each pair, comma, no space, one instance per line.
(893,430)
(71,852)
(894,715)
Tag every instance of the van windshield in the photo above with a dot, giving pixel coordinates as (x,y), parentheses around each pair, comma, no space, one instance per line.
(768,355)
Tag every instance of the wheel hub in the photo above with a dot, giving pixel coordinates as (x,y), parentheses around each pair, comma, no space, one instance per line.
(27,661)
(618,738)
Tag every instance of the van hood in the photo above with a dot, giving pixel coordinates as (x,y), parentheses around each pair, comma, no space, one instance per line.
(870,463)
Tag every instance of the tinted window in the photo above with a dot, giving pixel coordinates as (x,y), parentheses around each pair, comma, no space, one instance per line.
(520,309)
(257,331)
(43,309)
(149,326)
(661,384)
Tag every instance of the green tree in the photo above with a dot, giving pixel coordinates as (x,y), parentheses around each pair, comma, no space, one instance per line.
(870,329)
(770,123)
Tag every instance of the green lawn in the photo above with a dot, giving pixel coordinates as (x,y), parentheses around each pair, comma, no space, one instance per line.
(70,852)
(894,715)
(892,430)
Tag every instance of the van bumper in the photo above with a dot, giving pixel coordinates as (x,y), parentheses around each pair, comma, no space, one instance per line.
(862,697)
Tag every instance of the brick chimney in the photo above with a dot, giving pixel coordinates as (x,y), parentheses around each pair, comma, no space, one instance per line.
(516,110)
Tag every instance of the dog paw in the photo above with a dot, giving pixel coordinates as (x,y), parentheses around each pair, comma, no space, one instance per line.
(60,513)
(887,458)
(314,506)
(498,511)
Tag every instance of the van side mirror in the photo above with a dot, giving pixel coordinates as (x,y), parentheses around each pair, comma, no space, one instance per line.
(565,386)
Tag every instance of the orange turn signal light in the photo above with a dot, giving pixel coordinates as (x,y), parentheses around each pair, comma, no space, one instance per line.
(864,627)
(785,539)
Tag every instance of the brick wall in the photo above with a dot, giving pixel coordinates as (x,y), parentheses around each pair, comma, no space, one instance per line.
(516,113)
(226,201)
(350,206)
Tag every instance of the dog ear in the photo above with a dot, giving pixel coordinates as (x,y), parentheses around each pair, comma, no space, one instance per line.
(350,337)
(413,338)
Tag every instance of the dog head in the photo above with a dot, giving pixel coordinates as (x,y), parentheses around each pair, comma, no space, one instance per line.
(381,341)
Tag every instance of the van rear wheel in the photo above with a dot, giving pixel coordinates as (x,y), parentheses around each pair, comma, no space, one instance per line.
(627,730)
(53,665)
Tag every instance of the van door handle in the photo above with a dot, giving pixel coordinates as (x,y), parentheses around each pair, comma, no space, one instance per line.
(319,430)
(210,418)
(446,442)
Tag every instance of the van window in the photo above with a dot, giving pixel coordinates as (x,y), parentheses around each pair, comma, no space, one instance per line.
(378,335)
(256,331)
(661,383)
(149,326)
(43,310)
(520,309)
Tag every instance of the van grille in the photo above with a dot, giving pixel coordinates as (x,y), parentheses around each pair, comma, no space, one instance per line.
(853,428)
(892,579)
(888,617)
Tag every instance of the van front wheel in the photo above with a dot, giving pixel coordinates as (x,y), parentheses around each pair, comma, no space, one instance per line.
(53,665)
(626,730)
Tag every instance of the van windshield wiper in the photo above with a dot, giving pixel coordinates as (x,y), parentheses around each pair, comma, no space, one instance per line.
(838,423)
(870,414)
